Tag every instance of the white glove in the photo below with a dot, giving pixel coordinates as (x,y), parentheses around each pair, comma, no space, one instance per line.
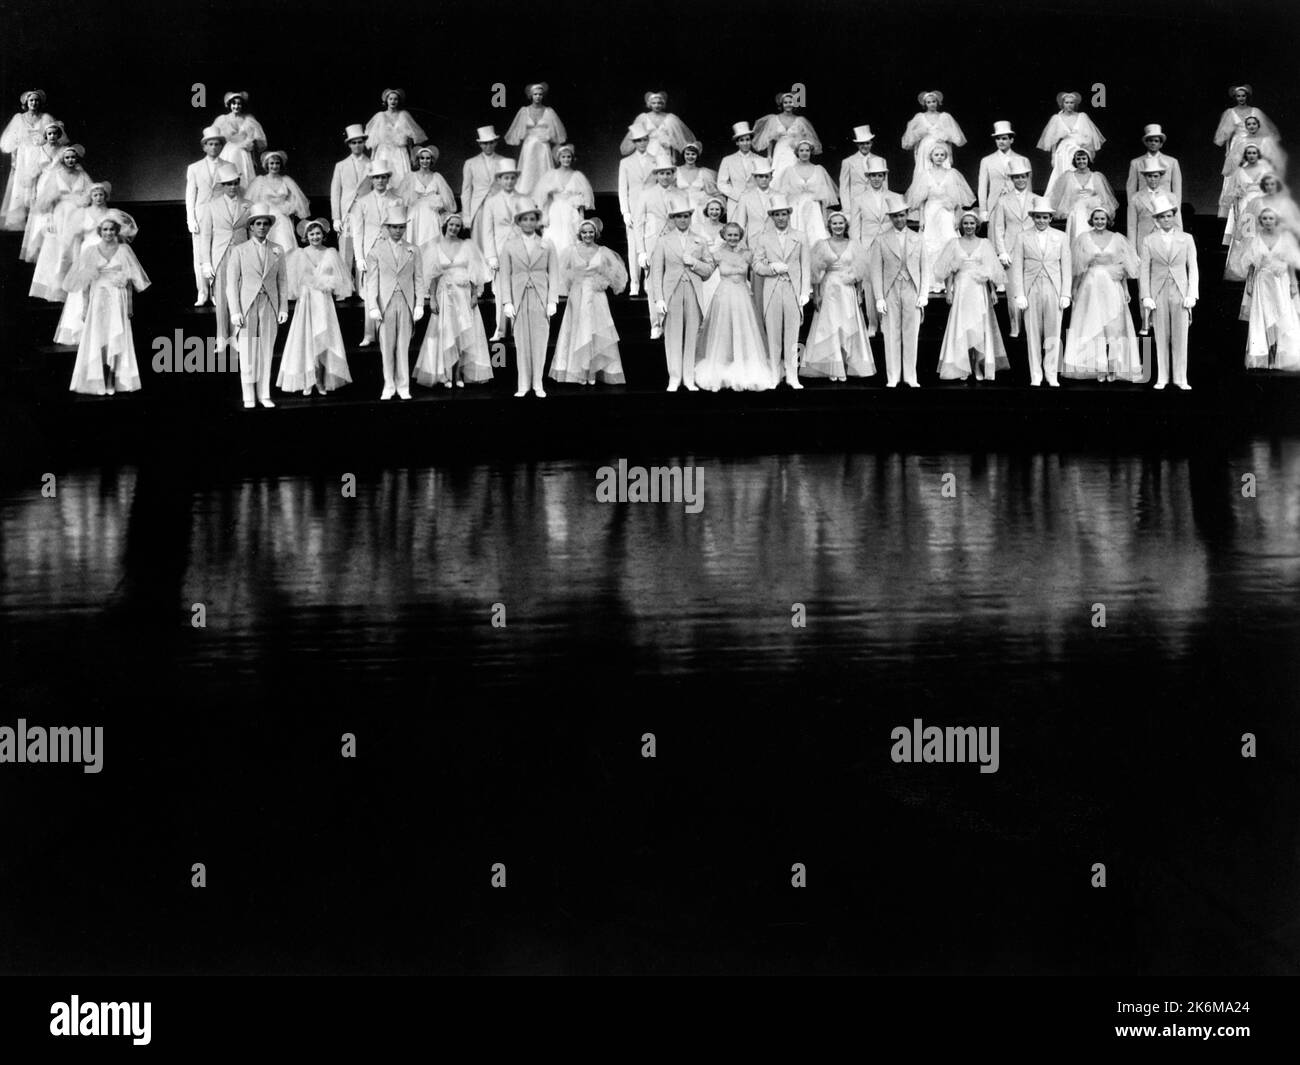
(642,260)
(237,320)
(984,216)
(194,230)
(627,221)
(688,260)
(338,225)
(661,306)
(1149,304)
(509,310)
(375,316)
(550,310)
(209,273)
(493,262)
(361,266)
(880,307)
(920,303)
(1022,303)
(1004,259)
(419,312)
(1065,303)
(780,268)
(1189,303)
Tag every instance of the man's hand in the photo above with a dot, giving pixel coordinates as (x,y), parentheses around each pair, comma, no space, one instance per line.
(509,311)
(661,306)
(237,320)
(419,312)
(1189,303)
(194,230)
(550,310)
(1022,303)
(376,316)
(208,273)
(881,308)
(1065,303)
(1149,304)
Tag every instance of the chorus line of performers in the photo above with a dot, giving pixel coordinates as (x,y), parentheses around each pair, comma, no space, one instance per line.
(770,224)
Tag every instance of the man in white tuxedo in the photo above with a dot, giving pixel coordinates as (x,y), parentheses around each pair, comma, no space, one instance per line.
(257,290)
(223,225)
(350,181)
(200,187)
(782,260)
(651,220)
(478,181)
(736,172)
(1169,284)
(394,284)
(900,280)
(1040,279)
(679,266)
(635,176)
(367,222)
(498,226)
(751,213)
(856,171)
(1010,218)
(1141,204)
(995,168)
(1171,182)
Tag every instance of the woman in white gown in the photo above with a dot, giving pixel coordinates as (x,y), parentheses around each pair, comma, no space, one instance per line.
(1234,127)
(564,195)
(837,345)
(536,131)
(282,194)
(668,133)
(107,273)
(455,348)
(245,137)
(315,356)
(937,194)
(970,272)
(1066,132)
(1080,192)
(392,132)
(811,193)
(1256,195)
(428,197)
(21,141)
(930,127)
(587,348)
(84,233)
(697,181)
(1272,301)
(61,194)
(779,135)
(731,352)
(45,159)
(712,221)
(1242,187)
(1101,343)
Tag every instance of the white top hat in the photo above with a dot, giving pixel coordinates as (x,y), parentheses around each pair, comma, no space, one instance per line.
(1153,130)
(354,132)
(260,210)
(1162,203)
(779,203)
(763,166)
(505,166)
(1019,165)
(895,204)
(679,203)
(740,129)
(1150,166)
(1003,129)
(1041,205)
(637,130)
(526,206)
(379,166)
(877,166)
(395,216)
(663,163)
(862,134)
(486,133)
(226,173)
(211,133)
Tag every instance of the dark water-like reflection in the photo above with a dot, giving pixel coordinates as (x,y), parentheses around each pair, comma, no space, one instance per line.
(373,614)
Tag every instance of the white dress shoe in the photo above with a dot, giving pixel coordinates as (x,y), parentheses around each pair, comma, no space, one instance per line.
(266,401)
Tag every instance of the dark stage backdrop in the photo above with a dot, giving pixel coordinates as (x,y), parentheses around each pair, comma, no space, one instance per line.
(120,74)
